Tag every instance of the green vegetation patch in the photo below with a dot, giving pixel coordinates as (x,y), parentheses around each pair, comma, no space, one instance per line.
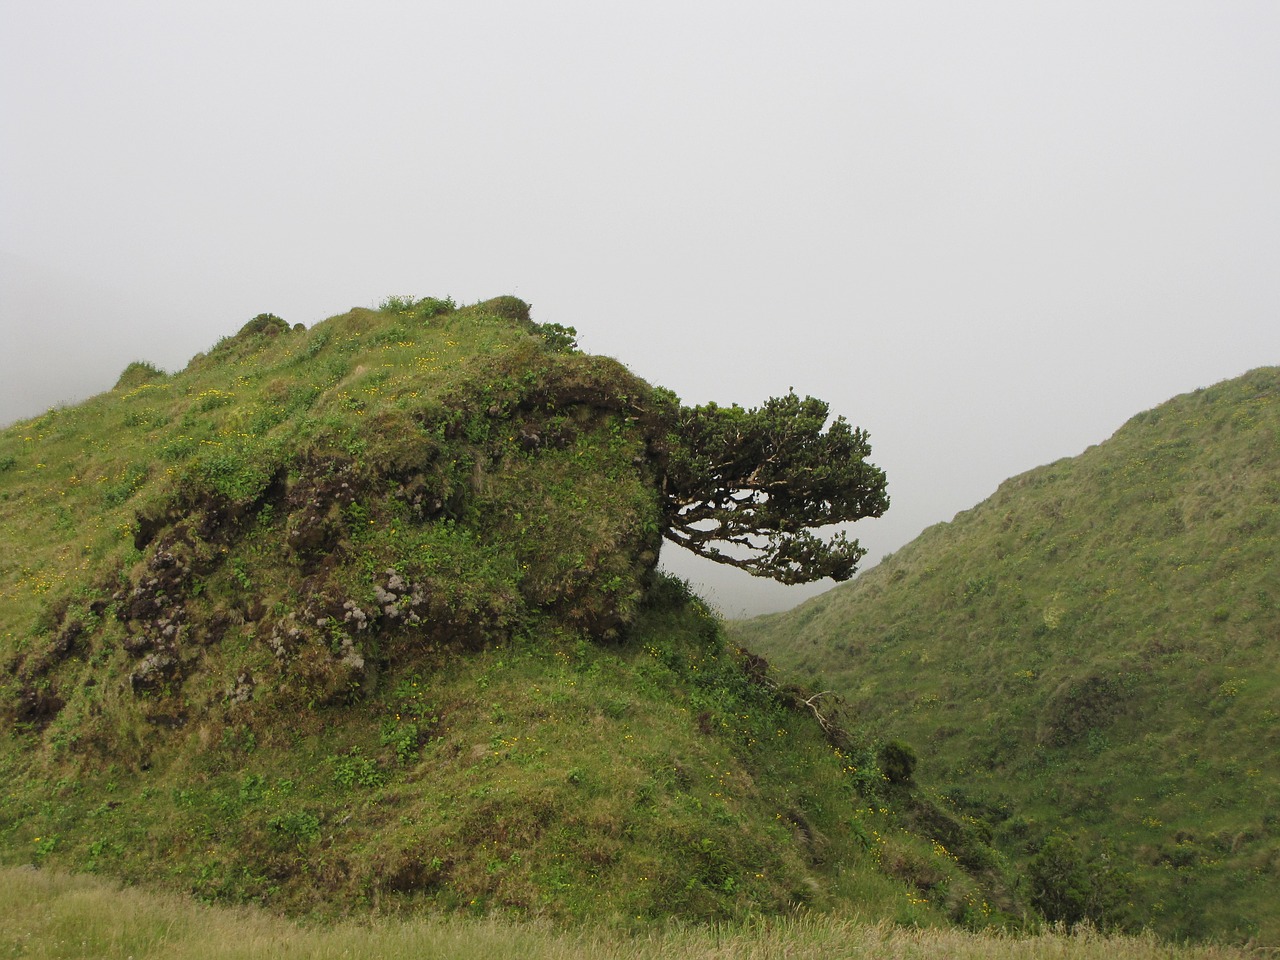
(364,619)
(1087,662)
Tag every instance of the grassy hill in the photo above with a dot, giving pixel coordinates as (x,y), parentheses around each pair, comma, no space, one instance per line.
(1094,652)
(364,618)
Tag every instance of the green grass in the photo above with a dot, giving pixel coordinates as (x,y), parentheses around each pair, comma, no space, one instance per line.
(1093,651)
(438,402)
(363,620)
(549,779)
(45,915)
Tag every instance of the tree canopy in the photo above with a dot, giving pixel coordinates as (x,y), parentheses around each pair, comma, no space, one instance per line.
(749,487)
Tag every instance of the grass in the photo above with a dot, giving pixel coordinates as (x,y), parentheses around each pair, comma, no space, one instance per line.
(1092,652)
(360,624)
(363,620)
(47,915)
(559,780)
(437,400)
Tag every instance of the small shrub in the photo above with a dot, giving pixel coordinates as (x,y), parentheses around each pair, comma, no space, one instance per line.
(509,308)
(898,763)
(559,338)
(267,323)
(297,826)
(138,373)
(1070,886)
(424,308)
(42,847)
(429,307)
(354,770)
(406,737)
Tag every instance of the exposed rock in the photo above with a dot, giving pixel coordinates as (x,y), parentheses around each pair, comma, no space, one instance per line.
(155,671)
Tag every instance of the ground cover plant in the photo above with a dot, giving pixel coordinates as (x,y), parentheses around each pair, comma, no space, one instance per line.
(1087,663)
(45,915)
(363,619)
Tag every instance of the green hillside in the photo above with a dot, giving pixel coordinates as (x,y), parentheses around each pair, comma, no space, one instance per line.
(365,618)
(1094,652)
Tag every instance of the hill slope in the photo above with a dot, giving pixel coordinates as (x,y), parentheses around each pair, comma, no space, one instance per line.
(365,616)
(1095,650)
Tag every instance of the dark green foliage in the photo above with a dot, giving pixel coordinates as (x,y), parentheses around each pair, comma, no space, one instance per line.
(747,487)
(298,826)
(353,770)
(898,762)
(1070,886)
(267,323)
(559,338)
(429,307)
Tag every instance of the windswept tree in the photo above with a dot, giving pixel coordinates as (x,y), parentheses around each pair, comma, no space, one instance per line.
(749,487)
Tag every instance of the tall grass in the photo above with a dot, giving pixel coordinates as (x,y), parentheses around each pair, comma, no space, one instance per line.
(45,915)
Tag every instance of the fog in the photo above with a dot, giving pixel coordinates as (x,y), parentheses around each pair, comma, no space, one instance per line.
(988,233)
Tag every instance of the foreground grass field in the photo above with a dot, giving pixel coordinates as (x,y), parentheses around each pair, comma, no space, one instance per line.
(46,915)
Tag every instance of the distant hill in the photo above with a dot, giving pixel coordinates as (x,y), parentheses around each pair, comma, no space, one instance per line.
(365,618)
(1094,651)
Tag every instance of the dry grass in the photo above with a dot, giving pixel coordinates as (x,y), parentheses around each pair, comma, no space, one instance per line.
(45,915)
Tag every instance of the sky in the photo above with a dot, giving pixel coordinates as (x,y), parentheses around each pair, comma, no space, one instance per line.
(986,232)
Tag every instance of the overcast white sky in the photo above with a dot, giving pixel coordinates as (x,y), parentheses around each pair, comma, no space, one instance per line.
(988,232)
